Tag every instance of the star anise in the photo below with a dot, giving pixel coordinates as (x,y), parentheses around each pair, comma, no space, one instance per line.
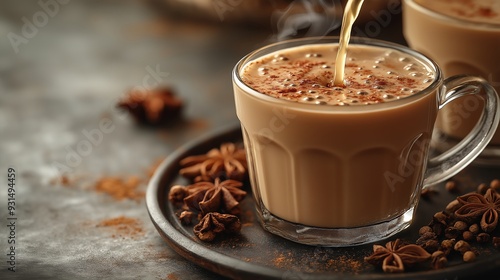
(395,256)
(475,206)
(229,161)
(218,196)
(214,224)
(186,217)
(177,193)
(154,107)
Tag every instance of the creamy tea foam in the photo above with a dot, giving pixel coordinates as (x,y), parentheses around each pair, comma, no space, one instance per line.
(305,74)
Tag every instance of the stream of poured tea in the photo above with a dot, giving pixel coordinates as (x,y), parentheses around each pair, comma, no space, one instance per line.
(351,12)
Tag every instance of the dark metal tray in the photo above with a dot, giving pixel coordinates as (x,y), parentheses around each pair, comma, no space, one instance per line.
(257,254)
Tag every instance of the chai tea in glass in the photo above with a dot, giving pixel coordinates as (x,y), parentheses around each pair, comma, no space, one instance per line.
(343,165)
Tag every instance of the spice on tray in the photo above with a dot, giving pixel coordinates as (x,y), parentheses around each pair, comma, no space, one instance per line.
(484,207)
(452,206)
(482,188)
(495,184)
(470,219)
(119,188)
(219,196)
(344,264)
(438,259)
(462,246)
(496,242)
(229,161)
(427,193)
(186,217)
(396,256)
(123,226)
(208,197)
(451,186)
(177,193)
(214,224)
(156,107)
(214,197)
(282,260)
(469,256)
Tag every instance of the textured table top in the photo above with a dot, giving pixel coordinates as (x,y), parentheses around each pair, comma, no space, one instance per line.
(63,67)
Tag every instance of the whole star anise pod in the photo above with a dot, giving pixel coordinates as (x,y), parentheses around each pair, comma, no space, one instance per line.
(475,206)
(229,161)
(214,224)
(218,196)
(395,256)
(153,107)
(177,193)
(186,217)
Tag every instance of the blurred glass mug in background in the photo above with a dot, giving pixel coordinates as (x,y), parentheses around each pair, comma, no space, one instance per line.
(344,165)
(463,37)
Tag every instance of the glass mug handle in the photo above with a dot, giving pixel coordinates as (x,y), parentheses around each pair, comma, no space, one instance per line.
(452,161)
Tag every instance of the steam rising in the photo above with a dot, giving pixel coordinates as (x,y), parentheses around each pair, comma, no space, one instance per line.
(307,17)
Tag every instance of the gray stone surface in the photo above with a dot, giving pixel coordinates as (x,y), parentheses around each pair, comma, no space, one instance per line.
(60,85)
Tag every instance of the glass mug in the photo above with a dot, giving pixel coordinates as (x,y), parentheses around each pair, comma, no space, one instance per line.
(348,175)
(459,46)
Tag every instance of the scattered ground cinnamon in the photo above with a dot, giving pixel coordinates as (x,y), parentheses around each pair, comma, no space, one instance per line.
(119,188)
(62,180)
(344,264)
(129,188)
(172,276)
(65,180)
(283,260)
(338,264)
(123,226)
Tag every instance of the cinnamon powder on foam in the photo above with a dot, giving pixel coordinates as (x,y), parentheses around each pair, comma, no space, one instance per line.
(303,74)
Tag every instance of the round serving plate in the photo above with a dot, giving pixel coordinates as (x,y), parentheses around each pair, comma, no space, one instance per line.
(257,254)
